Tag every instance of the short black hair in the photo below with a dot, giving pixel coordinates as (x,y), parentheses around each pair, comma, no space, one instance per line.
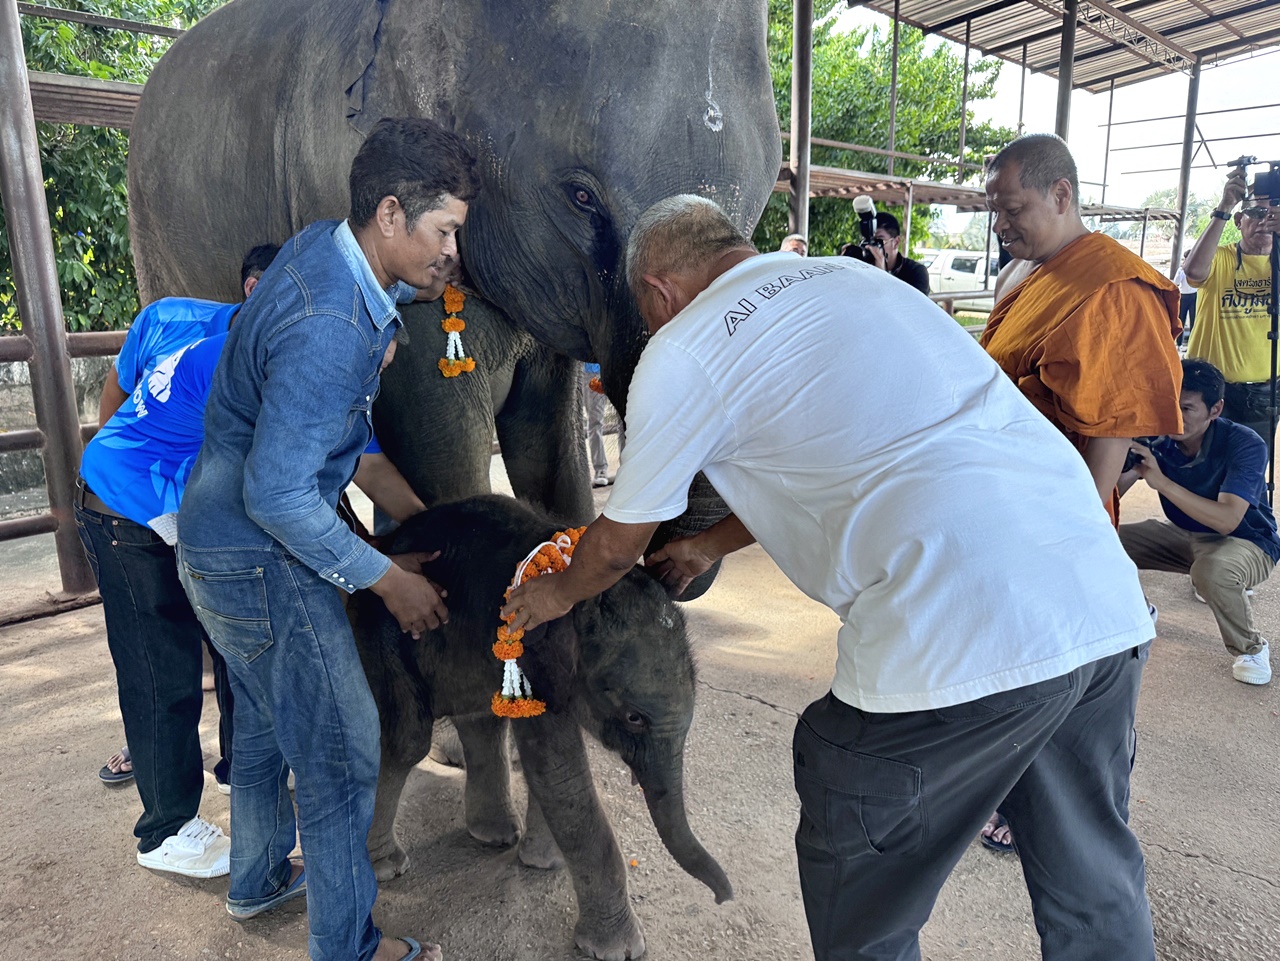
(889,224)
(1201,377)
(414,160)
(257,260)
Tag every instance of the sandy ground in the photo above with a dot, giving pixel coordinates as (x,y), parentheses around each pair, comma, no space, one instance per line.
(1204,791)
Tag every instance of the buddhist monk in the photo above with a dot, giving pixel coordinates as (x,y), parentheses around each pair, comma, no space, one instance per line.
(1082,325)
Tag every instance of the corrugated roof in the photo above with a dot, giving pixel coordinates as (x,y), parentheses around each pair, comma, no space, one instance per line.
(1126,40)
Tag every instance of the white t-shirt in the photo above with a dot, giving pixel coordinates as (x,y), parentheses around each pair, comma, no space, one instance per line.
(893,473)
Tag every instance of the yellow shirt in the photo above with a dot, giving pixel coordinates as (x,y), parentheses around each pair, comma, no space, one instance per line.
(1231,325)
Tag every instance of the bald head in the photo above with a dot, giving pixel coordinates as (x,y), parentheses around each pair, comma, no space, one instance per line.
(681,234)
(1042,160)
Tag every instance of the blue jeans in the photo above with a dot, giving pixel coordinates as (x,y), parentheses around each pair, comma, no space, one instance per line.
(155,642)
(302,702)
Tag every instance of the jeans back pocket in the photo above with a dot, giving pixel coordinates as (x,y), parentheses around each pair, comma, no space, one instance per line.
(232,608)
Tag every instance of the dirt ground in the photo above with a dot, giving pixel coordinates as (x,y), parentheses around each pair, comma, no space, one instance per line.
(1204,792)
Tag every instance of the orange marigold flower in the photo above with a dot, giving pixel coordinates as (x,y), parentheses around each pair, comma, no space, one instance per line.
(468,365)
(508,648)
(506,634)
(517,706)
(596,385)
(453,325)
(453,299)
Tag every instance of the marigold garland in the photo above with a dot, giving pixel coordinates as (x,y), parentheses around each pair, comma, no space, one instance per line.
(597,385)
(455,361)
(516,697)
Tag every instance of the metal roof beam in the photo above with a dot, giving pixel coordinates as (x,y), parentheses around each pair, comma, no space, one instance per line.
(1221,18)
(94,20)
(974,14)
(1002,50)
(1092,18)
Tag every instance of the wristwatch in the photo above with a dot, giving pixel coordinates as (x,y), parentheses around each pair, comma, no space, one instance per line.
(1221,215)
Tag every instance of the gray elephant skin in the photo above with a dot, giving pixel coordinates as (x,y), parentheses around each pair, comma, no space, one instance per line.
(581,113)
(617,666)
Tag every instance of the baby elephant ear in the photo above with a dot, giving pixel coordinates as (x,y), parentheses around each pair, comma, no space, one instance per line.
(550,662)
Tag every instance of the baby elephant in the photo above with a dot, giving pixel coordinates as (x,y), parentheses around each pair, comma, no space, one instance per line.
(618,666)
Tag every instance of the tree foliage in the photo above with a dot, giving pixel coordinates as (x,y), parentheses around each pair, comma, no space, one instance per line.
(851,84)
(84,167)
(1199,210)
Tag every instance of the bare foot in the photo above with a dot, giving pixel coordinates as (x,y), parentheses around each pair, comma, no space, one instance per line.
(393,949)
(996,831)
(119,762)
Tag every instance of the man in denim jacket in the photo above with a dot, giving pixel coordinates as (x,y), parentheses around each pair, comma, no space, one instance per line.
(264,556)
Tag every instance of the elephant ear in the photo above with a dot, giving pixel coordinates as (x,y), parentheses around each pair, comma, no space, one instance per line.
(550,662)
(368,99)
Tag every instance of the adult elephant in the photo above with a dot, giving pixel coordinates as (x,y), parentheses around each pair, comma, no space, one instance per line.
(581,113)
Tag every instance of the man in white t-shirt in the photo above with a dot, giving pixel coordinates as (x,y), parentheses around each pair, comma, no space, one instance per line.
(896,475)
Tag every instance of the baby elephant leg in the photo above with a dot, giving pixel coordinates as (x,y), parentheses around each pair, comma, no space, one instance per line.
(491,816)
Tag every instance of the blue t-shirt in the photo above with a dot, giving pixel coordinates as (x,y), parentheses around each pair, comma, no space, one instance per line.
(139,462)
(163,327)
(1232,459)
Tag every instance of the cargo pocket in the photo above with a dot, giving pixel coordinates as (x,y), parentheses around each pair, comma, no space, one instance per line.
(232,608)
(855,804)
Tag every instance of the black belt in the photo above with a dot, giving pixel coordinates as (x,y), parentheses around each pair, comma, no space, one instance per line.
(86,499)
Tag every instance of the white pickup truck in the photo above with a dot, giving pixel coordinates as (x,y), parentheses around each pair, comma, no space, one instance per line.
(960,271)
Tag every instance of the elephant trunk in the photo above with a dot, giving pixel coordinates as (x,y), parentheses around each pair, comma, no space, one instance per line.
(665,796)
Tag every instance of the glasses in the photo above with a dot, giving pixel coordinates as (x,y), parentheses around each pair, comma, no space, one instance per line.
(1256,213)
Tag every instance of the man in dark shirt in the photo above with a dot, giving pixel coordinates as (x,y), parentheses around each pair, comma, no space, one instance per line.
(888,232)
(1211,485)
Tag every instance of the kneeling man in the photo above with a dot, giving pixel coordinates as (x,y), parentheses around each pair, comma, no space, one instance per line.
(1212,487)
(896,475)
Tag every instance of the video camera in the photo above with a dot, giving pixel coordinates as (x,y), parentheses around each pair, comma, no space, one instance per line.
(1265,183)
(866,210)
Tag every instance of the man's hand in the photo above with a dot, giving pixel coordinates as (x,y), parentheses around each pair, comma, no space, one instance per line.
(679,562)
(1148,468)
(413,561)
(537,601)
(877,255)
(411,599)
(1234,191)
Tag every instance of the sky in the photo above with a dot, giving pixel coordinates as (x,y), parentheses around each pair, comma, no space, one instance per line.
(1240,83)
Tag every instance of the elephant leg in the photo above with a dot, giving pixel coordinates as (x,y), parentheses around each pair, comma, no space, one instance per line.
(559,778)
(390,860)
(446,747)
(538,847)
(491,816)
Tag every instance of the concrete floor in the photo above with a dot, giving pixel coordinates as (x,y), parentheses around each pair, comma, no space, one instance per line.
(1204,791)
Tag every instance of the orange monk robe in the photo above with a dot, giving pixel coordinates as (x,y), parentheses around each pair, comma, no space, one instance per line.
(1089,339)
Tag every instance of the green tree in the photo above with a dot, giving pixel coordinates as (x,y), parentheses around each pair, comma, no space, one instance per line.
(84,167)
(851,80)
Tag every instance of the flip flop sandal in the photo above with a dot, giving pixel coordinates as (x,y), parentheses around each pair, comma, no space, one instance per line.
(1000,847)
(108,776)
(415,949)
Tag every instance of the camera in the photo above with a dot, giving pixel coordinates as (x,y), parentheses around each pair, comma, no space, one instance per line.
(1132,459)
(866,210)
(1266,183)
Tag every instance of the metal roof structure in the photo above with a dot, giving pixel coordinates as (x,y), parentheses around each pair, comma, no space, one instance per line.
(1126,41)
(895,191)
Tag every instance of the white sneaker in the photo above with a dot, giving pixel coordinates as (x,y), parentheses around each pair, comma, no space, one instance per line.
(198,850)
(1253,668)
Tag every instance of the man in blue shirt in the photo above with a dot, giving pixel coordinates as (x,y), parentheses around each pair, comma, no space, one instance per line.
(261,548)
(1212,487)
(170,323)
(160,329)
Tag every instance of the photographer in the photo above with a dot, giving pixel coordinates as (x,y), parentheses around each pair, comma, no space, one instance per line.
(1221,531)
(886,255)
(1234,283)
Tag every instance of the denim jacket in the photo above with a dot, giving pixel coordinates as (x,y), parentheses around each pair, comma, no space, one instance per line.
(289,411)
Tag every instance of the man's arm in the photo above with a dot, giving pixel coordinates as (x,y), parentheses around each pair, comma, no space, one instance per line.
(387,488)
(1104,456)
(113,395)
(1223,515)
(606,551)
(680,561)
(1200,260)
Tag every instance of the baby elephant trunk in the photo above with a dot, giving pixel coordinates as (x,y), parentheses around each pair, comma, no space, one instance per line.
(664,793)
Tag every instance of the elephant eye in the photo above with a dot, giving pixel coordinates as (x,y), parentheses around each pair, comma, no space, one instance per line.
(585,200)
(636,721)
